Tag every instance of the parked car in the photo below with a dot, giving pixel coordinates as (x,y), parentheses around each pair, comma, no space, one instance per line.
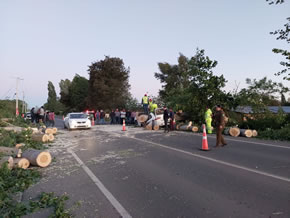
(77,121)
(27,116)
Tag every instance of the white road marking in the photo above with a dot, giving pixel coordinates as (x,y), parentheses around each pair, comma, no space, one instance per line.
(249,142)
(121,210)
(218,161)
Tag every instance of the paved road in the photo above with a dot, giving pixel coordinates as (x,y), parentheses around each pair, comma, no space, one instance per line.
(151,174)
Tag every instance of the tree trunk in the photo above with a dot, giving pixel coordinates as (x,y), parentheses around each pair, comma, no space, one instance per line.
(142,118)
(37,158)
(19,145)
(194,129)
(11,151)
(255,133)
(233,131)
(148,127)
(185,128)
(8,160)
(246,133)
(21,163)
(54,130)
(39,137)
(48,131)
(50,137)
(179,125)
(13,128)
(156,127)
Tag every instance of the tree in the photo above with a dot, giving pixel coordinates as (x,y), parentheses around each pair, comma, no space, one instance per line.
(262,93)
(108,84)
(51,104)
(78,92)
(191,85)
(64,92)
(283,34)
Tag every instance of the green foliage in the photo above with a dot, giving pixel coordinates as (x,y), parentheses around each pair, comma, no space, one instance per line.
(261,93)
(7,108)
(10,139)
(191,85)
(78,92)
(52,99)
(108,84)
(282,134)
(283,34)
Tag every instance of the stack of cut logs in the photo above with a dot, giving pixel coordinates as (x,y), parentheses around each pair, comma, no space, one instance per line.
(235,132)
(19,157)
(187,127)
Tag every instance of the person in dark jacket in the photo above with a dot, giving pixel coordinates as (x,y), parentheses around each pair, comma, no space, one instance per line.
(112,115)
(219,118)
(165,118)
(171,116)
(33,118)
(102,117)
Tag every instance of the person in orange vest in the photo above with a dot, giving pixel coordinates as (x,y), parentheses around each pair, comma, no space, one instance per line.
(145,102)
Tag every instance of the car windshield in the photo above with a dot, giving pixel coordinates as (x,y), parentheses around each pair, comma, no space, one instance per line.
(77,116)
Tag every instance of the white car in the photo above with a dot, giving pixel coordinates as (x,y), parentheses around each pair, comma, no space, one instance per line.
(77,121)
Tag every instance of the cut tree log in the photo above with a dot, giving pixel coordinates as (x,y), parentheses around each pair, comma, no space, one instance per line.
(246,133)
(50,137)
(185,128)
(255,133)
(8,160)
(13,128)
(179,125)
(194,129)
(48,131)
(232,131)
(37,158)
(19,145)
(21,163)
(39,137)
(142,118)
(11,151)
(156,127)
(54,130)
(148,127)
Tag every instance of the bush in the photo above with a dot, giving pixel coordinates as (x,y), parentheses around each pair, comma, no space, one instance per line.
(282,134)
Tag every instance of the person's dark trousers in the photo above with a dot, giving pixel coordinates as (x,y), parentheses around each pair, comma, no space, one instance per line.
(112,120)
(220,141)
(153,124)
(145,106)
(117,120)
(32,118)
(166,126)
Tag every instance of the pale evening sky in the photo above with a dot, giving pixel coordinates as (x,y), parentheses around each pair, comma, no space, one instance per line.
(56,39)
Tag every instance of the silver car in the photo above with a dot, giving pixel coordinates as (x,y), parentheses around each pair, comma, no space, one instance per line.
(77,121)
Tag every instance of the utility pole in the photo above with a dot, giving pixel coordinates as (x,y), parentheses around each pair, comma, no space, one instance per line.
(17,81)
(23,103)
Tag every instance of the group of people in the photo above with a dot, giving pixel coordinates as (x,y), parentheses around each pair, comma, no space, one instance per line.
(116,116)
(41,116)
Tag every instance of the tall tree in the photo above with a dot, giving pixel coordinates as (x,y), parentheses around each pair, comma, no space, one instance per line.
(64,86)
(191,85)
(108,84)
(52,98)
(283,34)
(78,92)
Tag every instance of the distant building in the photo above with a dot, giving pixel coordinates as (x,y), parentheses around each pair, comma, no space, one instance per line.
(273,109)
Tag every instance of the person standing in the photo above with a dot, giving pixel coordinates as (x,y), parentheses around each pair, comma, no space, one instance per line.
(133,115)
(112,116)
(165,118)
(151,120)
(51,117)
(128,116)
(97,117)
(123,115)
(219,118)
(46,118)
(208,120)
(145,102)
(32,114)
(41,114)
(102,117)
(117,116)
(171,116)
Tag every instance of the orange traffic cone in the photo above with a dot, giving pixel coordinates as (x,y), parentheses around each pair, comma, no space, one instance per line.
(62,117)
(204,140)
(124,125)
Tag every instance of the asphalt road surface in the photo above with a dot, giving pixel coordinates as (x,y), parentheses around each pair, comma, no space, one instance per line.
(139,173)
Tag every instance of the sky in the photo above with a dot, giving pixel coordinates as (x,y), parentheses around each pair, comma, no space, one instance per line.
(43,41)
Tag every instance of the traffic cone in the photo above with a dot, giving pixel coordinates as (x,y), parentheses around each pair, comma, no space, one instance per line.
(204,140)
(62,117)
(93,121)
(124,125)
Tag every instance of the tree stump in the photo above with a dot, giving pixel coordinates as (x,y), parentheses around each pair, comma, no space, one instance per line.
(37,158)
(232,131)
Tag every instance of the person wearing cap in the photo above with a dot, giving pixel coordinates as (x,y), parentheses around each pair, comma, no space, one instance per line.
(208,120)
(219,118)
(165,118)
(145,102)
